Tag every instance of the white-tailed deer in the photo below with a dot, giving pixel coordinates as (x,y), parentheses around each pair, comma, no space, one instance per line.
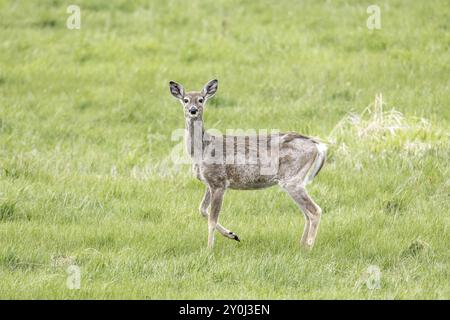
(229,161)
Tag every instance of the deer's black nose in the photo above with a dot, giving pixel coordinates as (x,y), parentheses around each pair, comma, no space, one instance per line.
(193,110)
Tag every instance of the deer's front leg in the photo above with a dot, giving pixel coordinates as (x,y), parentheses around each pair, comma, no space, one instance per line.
(216,205)
(206,201)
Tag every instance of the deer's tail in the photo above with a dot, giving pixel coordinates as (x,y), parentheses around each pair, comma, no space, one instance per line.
(318,162)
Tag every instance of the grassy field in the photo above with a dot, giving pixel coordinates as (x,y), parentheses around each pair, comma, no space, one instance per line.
(86,121)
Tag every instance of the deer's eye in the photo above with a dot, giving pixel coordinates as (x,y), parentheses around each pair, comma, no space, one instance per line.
(186,100)
(200,100)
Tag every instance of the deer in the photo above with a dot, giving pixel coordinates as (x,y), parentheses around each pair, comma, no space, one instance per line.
(298,159)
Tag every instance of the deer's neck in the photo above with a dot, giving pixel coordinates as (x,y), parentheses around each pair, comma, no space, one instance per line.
(194,137)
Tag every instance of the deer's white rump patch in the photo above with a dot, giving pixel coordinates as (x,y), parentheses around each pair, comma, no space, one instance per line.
(318,162)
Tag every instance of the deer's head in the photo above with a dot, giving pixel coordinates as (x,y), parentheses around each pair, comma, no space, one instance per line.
(193,102)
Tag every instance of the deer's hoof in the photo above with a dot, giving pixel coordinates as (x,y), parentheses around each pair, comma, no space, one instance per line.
(234,236)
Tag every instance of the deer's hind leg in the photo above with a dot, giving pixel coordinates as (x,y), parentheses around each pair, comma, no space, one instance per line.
(295,188)
(206,201)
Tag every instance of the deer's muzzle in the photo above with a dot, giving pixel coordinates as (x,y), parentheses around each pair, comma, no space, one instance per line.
(193,110)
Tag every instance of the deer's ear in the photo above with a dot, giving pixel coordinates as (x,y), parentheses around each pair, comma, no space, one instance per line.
(210,88)
(176,90)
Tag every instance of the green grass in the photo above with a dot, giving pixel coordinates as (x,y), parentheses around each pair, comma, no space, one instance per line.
(85,134)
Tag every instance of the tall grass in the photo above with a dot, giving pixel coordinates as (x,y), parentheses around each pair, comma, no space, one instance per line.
(85,140)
